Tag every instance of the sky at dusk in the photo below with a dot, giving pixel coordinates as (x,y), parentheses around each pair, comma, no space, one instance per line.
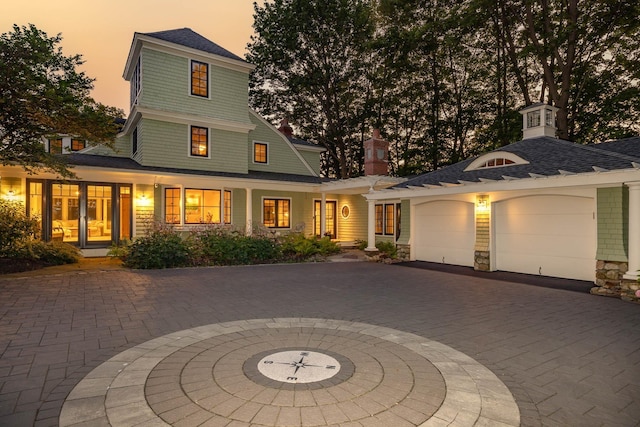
(102,30)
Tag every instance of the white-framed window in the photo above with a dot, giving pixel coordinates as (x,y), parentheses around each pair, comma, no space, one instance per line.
(136,84)
(276,212)
(261,153)
(533,119)
(199,79)
(199,141)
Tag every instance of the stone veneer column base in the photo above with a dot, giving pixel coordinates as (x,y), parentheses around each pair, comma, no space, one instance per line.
(628,290)
(609,278)
(482,260)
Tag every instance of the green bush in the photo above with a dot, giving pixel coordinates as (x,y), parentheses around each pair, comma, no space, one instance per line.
(16,228)
(120,249)
(54,253)
(387,248)
(161,247)
(224,246)
(296,246)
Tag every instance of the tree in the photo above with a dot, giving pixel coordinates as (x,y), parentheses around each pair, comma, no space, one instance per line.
(562,53)
(42,94)
(312,63)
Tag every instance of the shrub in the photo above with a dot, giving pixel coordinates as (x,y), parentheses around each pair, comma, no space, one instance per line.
(54,253)
(120,249)
(387,248)
(161,247)
(296,246)
(225,246)
(16,228)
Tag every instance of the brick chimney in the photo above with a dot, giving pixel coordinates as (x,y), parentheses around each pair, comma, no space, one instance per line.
(285,129)
(376,155)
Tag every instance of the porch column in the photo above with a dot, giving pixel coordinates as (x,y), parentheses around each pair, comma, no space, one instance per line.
(323,215)
(371,227)
(634,230)
(249,213)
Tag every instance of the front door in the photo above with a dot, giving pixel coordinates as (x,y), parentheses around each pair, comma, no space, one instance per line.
(330,218)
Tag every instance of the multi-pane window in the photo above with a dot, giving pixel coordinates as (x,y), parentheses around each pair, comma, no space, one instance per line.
(77,144)
(548,118)
(136,84)
(201,206)
(385,219)
(227,207)
(533,119)
(379,219)
(172,205)
(55,146)
(259,152)
(276,213)
(199,79)
(389,219)
(199,141)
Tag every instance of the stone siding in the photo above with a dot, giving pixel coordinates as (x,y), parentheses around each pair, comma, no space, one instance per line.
(609,278)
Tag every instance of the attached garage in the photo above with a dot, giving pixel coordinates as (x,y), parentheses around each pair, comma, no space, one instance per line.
(547,235)
(444,232)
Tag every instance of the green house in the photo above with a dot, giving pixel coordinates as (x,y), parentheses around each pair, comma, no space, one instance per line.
(191,152)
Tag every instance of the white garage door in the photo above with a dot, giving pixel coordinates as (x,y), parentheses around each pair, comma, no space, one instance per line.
(445,232)
(548,235)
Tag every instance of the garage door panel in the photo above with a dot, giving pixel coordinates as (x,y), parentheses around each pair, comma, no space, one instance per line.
(548,235)
(445,232)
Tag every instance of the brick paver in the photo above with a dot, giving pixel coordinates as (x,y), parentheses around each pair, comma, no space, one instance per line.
(568,358)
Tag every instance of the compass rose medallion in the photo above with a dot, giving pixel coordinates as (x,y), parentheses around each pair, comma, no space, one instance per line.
(298,366)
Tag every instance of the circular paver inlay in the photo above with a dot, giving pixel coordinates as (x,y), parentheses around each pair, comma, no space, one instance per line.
(298,366)
(273,372)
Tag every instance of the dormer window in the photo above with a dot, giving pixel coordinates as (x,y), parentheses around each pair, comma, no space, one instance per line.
(199,79)
(55,146)
(496,159)
(494,163)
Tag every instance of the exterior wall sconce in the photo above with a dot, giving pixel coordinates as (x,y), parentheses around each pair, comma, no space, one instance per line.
(143,200)
(482,203)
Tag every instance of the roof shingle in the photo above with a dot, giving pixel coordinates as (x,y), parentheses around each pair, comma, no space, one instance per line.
(189,38)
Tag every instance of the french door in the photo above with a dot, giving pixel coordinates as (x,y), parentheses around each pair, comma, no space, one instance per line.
(82,213)
(330,218)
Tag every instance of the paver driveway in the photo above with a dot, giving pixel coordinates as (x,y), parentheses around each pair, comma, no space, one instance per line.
(568,358)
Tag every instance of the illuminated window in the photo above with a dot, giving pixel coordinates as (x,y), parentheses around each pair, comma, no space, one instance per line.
(55,146)
(276,213)
(388,219)
(259,152)
(379,219)
(227,207)
(493,163)
(77,144)
(199,79)
(201,206)
(199,141)
(172,205)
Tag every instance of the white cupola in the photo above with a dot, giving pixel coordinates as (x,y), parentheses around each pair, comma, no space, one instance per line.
(538,120)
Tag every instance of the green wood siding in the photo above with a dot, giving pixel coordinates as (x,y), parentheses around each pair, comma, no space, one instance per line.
(313,159)
(405,222)
(613,224)
(239,208)
(281,157)
(166,144)
(166,86)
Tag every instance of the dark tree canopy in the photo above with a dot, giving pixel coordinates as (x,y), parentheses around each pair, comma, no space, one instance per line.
(444,80)
(42,94)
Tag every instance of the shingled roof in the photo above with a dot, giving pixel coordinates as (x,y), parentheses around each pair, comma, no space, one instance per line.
(189,38)
(125,163)
(546,156)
